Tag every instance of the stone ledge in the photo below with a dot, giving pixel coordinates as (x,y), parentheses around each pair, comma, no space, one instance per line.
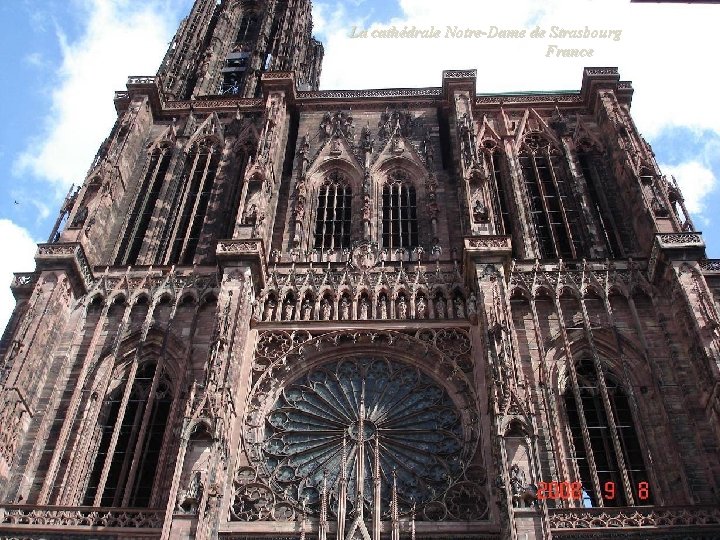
(69,257)
(23,284)
(639,517)
(685,246)
(250,252)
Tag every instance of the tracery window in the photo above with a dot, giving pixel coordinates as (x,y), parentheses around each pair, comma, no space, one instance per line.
(399,212)
(248,28)
(553,208)
(605,439)
(602,197)
(190,202)
(418,429)
(145,204)
(494,159)
(131,430)
(334,213)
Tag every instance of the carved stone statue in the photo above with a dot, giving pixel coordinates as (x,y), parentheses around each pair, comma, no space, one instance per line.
(421,308)
(459,308)
(517,479)
(364,309)
(251,214)
(521,491)
(472,306)
(269,310)
(189,498)
(480,212)
(306,310)
(325,309)
(289,310)
(80,217)
(344,309)
(401,307)
(440,308)
(335,146)
(383,307)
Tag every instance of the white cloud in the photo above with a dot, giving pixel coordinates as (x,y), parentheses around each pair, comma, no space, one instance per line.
(696,181)
(122,38)
(663,49)
(20,250)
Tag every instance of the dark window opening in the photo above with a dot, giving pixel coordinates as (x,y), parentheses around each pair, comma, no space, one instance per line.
(553,207)
(497,175)
(602,216)
(601,440)
(145,204)
(334,217)
(132,467)
(202,165)
(399,221)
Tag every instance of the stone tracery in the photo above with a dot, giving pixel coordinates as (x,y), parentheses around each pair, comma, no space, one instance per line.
(299,429)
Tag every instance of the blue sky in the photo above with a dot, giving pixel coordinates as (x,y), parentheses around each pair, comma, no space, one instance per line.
(62,60)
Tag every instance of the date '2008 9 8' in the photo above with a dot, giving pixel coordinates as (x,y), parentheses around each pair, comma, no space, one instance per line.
(574,491)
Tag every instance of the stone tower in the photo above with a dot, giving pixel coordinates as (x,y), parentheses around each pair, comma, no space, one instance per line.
(276,312)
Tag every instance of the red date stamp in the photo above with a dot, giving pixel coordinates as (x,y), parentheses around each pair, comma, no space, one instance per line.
(573,491)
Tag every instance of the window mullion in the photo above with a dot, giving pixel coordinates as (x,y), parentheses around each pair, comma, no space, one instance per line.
(326,210)
(570,366)
(543,202)
(561,204)
(406,224)
(116,434)
(143,200)
(122,477)
(333,217)
(168,445)
(180,209)
(143,433)
(196,202)
(619,457)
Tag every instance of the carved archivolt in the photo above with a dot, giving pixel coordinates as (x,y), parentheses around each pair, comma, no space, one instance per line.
(317,401)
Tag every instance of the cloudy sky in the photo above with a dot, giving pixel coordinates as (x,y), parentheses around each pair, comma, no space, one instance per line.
(62,60)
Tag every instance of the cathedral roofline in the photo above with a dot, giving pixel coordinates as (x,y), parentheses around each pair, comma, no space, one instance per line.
(594,79)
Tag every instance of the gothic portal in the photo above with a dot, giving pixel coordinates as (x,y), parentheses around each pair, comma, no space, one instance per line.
(277,312)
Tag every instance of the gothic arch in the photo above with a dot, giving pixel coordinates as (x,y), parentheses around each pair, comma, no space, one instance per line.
(112,381)
(549,198)
(189,198)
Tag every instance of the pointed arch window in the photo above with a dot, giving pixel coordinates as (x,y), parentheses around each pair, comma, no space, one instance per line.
(334,213)
(494,161)
(190,201)
(131,427)
(144,207)
(399,212)
(603,198)
(553,208)
(604,441)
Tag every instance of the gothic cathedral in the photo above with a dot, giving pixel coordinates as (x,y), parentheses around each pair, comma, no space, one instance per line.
(277,312)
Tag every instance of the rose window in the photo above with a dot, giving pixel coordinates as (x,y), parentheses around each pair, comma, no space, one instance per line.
(410,420)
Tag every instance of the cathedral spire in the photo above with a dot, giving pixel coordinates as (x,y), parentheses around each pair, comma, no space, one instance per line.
(223,48)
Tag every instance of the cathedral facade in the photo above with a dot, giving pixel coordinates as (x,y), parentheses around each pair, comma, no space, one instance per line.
(277,312)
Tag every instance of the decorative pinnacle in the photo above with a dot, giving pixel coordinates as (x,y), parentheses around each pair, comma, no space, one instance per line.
(412,523)
(393,500)
(323,500)
(344,457)
(376,472)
